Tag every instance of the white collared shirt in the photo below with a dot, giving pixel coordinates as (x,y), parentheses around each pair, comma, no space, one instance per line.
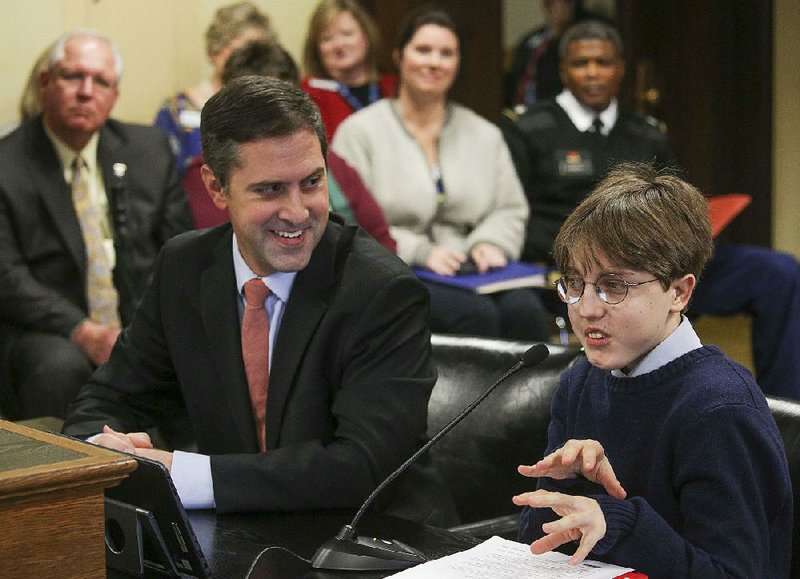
(583,117)
(191,472)
(279,284)
(681,341)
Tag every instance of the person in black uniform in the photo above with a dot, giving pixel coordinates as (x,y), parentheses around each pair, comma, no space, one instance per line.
(561,148)
(557,149)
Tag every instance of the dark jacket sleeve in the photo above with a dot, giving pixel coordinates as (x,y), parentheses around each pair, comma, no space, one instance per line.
(25,301)
(41,280)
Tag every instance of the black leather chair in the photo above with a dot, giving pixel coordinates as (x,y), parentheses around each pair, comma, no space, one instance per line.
(787,416)
(478,458)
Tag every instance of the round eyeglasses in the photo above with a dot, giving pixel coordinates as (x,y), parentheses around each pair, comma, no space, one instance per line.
(610,288)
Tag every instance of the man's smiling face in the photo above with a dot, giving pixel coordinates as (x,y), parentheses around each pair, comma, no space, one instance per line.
(277,199)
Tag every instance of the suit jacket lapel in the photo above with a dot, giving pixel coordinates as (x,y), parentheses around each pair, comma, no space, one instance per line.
(219,309)
(55,193)
(307,304)
(114,165)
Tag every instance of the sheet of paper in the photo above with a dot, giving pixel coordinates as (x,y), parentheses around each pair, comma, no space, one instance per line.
(499,558)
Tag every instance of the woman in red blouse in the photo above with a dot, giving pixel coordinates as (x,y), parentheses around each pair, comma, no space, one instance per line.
(341,61)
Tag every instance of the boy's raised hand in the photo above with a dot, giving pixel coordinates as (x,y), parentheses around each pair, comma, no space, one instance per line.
(584,457)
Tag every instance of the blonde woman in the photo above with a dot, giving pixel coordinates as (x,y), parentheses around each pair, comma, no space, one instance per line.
(341,61)
(233,26)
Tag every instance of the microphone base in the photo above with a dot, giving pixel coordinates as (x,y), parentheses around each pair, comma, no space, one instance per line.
(347,552)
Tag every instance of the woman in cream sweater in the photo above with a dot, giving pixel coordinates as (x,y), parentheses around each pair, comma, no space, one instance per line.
(446,182)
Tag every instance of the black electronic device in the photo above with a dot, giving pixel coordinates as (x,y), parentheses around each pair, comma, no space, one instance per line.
(348,551)
(469,267)
(147,527)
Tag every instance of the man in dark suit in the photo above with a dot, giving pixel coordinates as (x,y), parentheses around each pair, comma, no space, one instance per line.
(561,148)
(350,369)
(50,335)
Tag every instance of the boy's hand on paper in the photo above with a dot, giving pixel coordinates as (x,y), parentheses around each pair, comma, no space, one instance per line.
(584,457)
(486,256)
(581,520)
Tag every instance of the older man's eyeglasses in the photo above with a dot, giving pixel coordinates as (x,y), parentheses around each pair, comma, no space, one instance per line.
(610,288)
(75,79)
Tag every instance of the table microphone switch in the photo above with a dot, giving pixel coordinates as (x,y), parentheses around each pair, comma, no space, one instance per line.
(360,553)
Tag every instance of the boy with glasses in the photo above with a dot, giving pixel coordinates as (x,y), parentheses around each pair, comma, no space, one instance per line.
(662,453)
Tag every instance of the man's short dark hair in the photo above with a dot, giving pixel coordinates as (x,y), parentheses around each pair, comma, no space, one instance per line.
(590,30)
(251,108)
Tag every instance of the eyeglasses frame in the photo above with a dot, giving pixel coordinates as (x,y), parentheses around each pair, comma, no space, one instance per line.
(559,283)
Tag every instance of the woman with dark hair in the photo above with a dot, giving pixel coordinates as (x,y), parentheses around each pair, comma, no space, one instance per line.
(342,61)
(446,182)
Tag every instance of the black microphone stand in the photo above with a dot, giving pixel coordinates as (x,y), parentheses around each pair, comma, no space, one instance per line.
(348,551)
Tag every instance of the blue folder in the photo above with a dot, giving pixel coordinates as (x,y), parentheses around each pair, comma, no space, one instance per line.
(514,275)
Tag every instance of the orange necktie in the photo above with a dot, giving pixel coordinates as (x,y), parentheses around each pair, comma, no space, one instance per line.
(255,350)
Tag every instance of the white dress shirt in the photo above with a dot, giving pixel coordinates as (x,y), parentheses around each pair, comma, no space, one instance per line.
(191,472)
(583,117)
(682,341)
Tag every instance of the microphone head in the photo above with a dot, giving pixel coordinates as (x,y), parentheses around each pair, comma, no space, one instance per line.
(535,355)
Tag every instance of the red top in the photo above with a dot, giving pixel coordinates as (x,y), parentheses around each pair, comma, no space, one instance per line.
(368,213)
(204,212)
(333,107)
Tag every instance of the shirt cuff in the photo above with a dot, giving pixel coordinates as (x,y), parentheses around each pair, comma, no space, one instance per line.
(191,475)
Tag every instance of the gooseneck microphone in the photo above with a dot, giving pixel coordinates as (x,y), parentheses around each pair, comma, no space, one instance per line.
(348,551)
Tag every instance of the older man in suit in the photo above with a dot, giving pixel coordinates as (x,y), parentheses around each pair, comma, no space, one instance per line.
(86,203)
(330,394)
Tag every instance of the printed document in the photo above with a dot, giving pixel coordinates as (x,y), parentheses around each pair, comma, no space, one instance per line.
(499,558)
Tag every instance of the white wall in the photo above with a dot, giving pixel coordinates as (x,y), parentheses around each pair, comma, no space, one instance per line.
(161,42)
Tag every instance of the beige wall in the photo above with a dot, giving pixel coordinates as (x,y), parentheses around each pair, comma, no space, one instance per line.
(786,127)
(161,42)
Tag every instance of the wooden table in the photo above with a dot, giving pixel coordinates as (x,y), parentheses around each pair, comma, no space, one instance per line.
(51,503)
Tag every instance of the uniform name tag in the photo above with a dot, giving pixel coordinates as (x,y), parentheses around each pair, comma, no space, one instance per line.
(574,162)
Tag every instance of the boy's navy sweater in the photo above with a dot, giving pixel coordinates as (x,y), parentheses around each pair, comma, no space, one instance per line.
(698,452)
